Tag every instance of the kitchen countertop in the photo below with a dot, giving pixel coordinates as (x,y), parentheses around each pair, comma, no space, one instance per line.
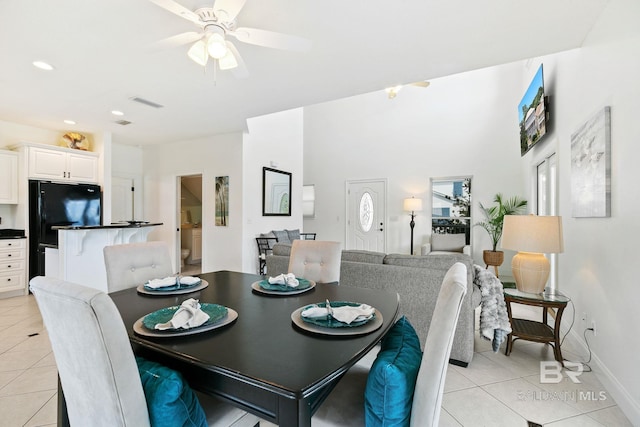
(136,224)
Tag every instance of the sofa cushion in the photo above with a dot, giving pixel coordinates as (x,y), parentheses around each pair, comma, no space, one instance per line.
(424,261)
(281,235)
(363,256)
(388,395)
(170,400)
(282,249)
(293,234)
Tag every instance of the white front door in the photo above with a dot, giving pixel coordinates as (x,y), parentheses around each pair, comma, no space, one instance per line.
(366,215)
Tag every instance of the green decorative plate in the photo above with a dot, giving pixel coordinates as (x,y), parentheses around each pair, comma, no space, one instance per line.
(219,316)
(366,327)
(329,321)
(264,287)
(173,290)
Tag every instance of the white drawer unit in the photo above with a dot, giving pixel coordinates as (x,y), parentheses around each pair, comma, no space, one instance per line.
(13,265)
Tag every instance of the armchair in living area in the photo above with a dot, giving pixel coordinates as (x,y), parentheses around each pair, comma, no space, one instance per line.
(266,241)
(446,244)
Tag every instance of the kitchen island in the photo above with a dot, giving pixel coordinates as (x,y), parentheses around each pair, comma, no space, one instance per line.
(79,256)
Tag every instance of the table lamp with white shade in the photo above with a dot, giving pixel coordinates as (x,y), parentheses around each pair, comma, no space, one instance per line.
(532,236)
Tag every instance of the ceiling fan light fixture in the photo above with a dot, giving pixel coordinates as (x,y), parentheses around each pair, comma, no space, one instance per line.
(228,61)
(198,53)
(393,91)
(216,46)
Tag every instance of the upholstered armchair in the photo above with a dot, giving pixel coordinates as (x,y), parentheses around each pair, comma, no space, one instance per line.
(103,383)
(131,264)
(316,260)
(403,385)
(446,244)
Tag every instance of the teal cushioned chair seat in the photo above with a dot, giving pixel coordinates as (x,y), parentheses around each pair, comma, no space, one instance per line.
(170,400)
(389,392)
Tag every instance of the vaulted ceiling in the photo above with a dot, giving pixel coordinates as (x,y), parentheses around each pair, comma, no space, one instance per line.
(103,53)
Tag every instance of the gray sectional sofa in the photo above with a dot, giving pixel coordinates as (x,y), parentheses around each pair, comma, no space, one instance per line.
(417,279)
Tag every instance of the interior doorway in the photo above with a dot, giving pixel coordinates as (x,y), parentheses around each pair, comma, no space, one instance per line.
(190,220)
(366,215)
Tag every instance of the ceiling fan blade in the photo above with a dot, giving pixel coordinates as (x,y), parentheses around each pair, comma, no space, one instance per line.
(240,72)
(177,40)
(178,9)
(227,10)
(271,39)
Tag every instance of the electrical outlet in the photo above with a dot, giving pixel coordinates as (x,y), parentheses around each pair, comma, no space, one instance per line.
(593,327)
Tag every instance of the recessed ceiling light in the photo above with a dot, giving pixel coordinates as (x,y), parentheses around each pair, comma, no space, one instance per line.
(117,113)
(70,122)
(43,65)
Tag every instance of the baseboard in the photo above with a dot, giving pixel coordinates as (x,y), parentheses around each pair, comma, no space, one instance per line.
(618,392)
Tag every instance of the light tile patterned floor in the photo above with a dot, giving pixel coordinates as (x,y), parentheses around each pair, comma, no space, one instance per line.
(494,390)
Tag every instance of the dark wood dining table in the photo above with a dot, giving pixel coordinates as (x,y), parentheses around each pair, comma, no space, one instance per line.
(262,362)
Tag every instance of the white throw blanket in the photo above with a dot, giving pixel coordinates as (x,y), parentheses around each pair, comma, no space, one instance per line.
(494,319)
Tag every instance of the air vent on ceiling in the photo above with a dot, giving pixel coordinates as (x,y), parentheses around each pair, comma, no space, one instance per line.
(123,122)
(146,102)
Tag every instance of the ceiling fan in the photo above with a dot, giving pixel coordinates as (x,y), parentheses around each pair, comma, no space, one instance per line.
(393,90)
(217,23)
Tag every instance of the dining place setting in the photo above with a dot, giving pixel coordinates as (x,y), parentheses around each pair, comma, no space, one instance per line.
(325,318)
(332,318)
(172,285)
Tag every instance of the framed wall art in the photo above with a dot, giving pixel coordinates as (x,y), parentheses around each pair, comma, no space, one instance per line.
(276,192)
(222,200)
(591,167)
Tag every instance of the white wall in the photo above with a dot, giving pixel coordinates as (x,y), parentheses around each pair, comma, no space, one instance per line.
(464,124)
(597,267)
(271,138)
(127,163)
(218,155)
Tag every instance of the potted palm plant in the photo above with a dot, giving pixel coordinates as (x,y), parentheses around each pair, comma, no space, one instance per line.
(494,220)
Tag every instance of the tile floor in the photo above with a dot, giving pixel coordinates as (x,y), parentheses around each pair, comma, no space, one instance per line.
(494,390)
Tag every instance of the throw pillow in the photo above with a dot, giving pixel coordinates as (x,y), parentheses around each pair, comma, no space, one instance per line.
(282,236)
(293,234)
(170,400)
(388,394)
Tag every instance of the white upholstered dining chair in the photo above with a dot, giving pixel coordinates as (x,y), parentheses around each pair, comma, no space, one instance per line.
(316,260)
(98,372)
(346,403)
(131,264)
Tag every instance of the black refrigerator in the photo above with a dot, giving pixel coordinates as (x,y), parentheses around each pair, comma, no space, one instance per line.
(58,204)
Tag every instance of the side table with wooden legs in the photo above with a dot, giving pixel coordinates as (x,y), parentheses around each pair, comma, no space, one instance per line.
(532,330)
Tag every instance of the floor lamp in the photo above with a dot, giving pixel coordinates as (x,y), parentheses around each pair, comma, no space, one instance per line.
(412,205)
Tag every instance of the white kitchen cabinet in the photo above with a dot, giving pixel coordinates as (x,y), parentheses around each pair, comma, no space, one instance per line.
(8,177)
(13,265)
(57,163)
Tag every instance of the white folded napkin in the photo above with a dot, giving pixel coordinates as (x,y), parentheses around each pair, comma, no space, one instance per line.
(161,283)
(189,315)
(189,280)
(288,279)
(345,314)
